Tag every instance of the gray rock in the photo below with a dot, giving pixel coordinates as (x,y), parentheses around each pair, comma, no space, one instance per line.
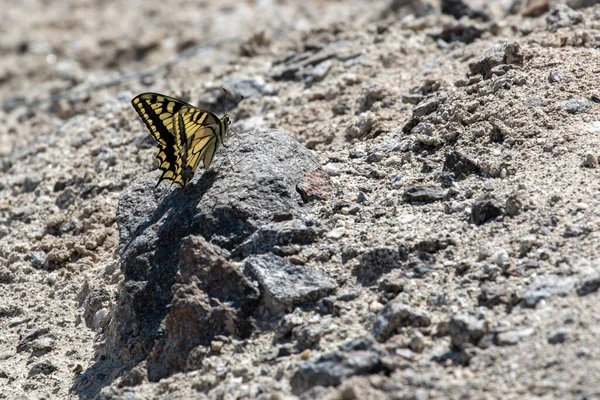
(225,205)
(561,16)
(576,106)
(590,285)
(427,106)
(395,315)
(212,299)
(458,9)
(307,336)
(284,285)
(253,87)
(559,336)
(279,234)
(461,165)
(505,54)
(30,183)
(556,77)
(318,72)
(43,345)
(590,161)
(333,368)
(513,205)
(513,337)
(546,287)
(485,209)
(42,368)
(466,329)
(29,336)
(374,262)
(424,194)
(37,259)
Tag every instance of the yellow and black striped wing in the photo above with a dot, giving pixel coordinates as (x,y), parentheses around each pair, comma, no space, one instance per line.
(174,124)
(203,133)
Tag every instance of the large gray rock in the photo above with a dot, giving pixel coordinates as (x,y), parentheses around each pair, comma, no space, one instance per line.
(225,205)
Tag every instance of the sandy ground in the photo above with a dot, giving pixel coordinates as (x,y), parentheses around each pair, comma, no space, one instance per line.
(463,150)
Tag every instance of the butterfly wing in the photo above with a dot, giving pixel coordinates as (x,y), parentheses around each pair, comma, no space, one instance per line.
(184,134)
(158,114)
(202,131)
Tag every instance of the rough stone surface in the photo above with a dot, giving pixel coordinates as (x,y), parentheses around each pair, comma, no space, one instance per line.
(395,315)
(332,368)
(284,285)
(211,298)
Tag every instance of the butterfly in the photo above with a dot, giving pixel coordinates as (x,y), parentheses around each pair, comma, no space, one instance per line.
(185,134)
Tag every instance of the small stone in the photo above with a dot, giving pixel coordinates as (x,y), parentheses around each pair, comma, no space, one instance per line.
(458,9)
(501,258)
(43,345)
(316,185)
(284,285)
(510,338)
(216,346)
(546,287)
(375,306)
(362,198)
(394,315)
(514,205)
(590,285)
(466,329)
(417,342)
(485,209)
(576,106)
(319,71)
(556,77)
(51,278)
(331,369)
(590,161)
(43,368)
(361,125)
(332,169)
(460,165)
(307,336)
(397,181)
(424,194)
(559,336)
(348,295)
(99,318)
(29,336)
(31,183)
(527,243)
(306,354)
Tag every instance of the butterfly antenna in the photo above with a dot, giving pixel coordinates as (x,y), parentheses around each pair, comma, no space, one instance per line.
(223,102)
(235,105)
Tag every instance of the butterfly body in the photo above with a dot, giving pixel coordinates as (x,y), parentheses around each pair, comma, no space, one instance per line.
(185,134)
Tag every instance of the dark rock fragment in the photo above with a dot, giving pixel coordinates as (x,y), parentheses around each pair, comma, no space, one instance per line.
(590,285)
(394,315)
(461,165)
(485,209)
(424,194)
(466,329)
(331,369)
(284,285)
(458,9)
(211,298)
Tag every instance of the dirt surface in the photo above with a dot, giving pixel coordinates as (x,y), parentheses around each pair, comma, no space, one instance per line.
(457,253)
